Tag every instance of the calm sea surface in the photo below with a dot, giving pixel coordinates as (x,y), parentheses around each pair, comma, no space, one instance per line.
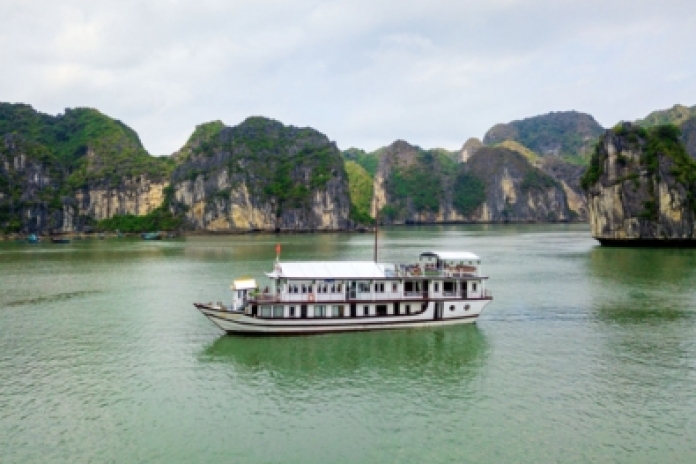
(585,355)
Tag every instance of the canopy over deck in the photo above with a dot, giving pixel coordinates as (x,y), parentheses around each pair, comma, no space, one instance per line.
(331,270)
(451,255)
(243,284)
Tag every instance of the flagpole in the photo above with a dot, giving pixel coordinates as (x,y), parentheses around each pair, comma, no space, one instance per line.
(376,226)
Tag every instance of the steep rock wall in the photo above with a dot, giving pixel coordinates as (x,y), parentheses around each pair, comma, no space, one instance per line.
(261,175)
(641,187)
(515,190)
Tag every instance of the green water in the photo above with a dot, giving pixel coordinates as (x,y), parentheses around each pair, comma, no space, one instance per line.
(585,355)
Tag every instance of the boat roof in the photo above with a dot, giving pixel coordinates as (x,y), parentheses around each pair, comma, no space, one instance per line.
(243,284)
(330,270)
(452,255)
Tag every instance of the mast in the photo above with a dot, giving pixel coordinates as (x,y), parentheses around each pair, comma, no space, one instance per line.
(376,225)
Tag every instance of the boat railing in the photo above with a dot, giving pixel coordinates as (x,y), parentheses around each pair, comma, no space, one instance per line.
(406,270)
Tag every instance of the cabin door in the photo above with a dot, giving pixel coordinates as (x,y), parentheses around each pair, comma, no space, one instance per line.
(303,311)
(353,291)
(353,310)
(464,290)
(425,288)
(438,311)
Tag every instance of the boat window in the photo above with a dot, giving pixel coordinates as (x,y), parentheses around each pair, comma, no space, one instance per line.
(277,311)
(265,311)
(473,287)
(292,311)
(448,286)
(379,287)
(408,286)
(436,286)
(408,309)
(363,287)
(304,288)
(452,308)
(381,310)
(337,311)
(395,287)
(366,310)
(338,288)
(319,311)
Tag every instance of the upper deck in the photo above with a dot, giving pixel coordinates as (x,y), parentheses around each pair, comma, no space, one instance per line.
(430,264)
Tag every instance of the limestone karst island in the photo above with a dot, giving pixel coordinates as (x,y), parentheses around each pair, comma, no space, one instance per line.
(84,172)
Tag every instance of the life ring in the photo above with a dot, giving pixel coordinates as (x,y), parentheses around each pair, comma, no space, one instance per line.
(311,297)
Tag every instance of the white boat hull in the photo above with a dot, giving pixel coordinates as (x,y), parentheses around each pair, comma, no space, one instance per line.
(239,323)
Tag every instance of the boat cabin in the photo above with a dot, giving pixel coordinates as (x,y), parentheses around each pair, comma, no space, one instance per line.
(363,288)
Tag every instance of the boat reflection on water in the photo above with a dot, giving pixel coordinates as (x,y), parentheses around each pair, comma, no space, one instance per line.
(446,355)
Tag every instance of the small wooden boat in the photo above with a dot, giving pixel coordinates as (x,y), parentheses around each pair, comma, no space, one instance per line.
(60,240)
(33,238)
(151,236)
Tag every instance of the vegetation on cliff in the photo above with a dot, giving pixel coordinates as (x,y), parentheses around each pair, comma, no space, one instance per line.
(416,182)
(368,161)
(568,134)
(469,192)
(677,115)
(360,186)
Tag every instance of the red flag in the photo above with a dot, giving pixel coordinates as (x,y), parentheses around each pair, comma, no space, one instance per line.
(277,248)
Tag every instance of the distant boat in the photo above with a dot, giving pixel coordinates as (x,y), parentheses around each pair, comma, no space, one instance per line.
(33,238)
(102,236)
(151,236)
(60,240)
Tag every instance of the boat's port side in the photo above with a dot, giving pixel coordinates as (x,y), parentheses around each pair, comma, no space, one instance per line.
(435,314)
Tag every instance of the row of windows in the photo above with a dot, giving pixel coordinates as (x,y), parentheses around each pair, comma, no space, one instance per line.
(323,311)
(379,287)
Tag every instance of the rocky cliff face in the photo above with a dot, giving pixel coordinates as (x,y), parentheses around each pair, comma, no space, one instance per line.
(63,173)
(516,191)
(494,185)
(261,175)
(568,175)
(641,187)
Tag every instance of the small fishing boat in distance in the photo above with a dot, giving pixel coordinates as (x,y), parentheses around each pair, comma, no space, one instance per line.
(60,240)
(151,236)
(33,238)
(441,288)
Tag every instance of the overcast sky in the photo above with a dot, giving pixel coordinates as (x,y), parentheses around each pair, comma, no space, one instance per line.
(365,73)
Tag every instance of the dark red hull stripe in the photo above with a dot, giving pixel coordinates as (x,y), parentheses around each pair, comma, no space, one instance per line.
(298,326)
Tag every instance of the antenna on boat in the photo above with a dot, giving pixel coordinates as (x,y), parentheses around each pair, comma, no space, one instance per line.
(376,226)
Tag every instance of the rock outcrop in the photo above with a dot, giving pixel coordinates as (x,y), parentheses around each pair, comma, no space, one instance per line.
(261,175)
(494,185)
(469,149)
(515,190)
(63,173)
(564,133)
(641,188)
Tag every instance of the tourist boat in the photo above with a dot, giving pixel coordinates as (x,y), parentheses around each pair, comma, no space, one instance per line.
(440,288)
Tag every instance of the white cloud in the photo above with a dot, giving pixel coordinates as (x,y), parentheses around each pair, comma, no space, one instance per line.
(363,72)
